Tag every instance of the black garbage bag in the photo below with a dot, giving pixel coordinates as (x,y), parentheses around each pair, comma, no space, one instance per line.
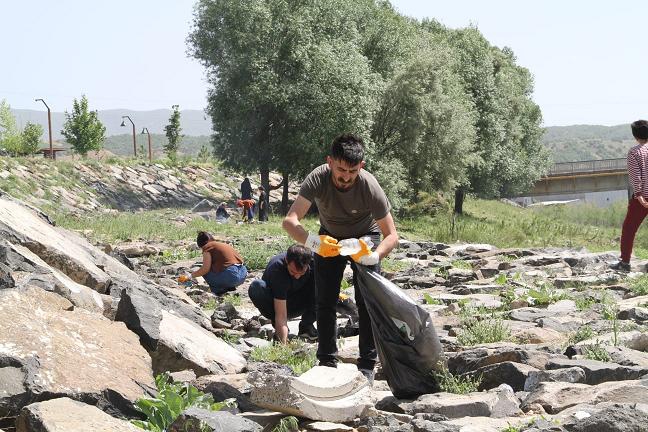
(407,344)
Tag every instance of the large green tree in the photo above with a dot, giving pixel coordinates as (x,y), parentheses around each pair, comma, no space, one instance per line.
(286,78)
(82,128)
(510,155)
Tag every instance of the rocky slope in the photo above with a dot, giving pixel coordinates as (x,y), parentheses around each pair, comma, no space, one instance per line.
(87,185)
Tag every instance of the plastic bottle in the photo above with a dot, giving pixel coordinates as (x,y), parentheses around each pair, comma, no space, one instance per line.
(352,246)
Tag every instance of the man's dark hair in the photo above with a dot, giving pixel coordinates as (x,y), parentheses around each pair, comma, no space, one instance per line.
(300,255)
(640,129)
(203,238)
(349,148)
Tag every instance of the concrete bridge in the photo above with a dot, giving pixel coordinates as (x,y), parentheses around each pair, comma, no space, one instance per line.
(573,178)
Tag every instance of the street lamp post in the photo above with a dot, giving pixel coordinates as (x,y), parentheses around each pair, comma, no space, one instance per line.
(49,126)
(134,141)
(145,130)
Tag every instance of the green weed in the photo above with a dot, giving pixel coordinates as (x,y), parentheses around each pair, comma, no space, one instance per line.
(171,401)
(296,354)
(596,352)
(480,327)
(583,333)
(233,299)
(639,285)
(428,299)
(545,294)
(457,384)
(287,424)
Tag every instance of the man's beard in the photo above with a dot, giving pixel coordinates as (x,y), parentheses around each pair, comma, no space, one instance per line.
(342,185)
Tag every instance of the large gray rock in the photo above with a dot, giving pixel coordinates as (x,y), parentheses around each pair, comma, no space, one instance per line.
(568,375)
(597,372)
(67,415)
(202,420)
(499,402)
(183,344)
(613,418)
(65,352)
(511,373)
(473,359)
(557,396)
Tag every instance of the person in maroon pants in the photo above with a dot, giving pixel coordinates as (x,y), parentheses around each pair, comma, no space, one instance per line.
(638,205)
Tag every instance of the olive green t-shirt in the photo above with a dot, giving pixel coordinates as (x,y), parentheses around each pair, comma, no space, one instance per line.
(351,213)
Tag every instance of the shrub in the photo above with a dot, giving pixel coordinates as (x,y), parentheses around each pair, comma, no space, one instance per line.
(478,328)
(296,354)
(171,401)
(457,384)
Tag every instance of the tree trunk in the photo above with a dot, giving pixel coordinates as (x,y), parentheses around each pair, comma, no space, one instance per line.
(265,182)
(284,195)
(460,194)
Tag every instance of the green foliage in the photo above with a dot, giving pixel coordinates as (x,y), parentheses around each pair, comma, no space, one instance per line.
(15,142)
(428,299)
(31,135)
(583,333)
(172,131)
(230,338)
(233,299)
(456,383)
(501,279)
(295,354)
(596,352)
(287,424)
(545,294)
(171,401)
(639,285)
(286,79)
(479,326)
(82,128)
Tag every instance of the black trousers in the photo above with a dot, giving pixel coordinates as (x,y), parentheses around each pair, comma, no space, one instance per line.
(298,304)
(328,277)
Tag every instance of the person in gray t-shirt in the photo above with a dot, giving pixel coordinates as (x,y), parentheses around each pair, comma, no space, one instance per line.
(351,204)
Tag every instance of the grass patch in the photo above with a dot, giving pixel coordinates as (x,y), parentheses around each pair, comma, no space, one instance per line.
(639,285)
(230,338)
(233,299)
(583,333)
(296,354)
(256,243)
(457,384)
(287,424)
(480,326)
(504,225)
(545,294)
(596,352)
(428,299)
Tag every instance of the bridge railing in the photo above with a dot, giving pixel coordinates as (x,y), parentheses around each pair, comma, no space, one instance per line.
(588,166)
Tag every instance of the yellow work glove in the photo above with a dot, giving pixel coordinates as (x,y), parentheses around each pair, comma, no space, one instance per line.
(365,256)
(323,245)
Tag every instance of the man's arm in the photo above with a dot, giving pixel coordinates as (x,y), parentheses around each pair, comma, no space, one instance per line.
(281,320)
(291,222)
(390,236)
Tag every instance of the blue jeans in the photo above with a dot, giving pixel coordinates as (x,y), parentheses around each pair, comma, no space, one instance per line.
(227,280)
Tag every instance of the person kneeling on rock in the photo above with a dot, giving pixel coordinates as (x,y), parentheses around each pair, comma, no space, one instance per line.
(287,290)
(222,267)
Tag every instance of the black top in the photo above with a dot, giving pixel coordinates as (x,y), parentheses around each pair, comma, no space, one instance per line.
(278,279)
(246,189)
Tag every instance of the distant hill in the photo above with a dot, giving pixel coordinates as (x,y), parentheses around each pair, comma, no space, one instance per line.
(122,145)
(193,122)
(587,142)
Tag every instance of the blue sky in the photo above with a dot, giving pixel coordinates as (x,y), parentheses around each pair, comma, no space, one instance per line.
(589,58)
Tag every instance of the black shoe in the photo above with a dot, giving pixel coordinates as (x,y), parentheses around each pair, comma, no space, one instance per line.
(621,266)
(369,374)
(309,332)
(331,364)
